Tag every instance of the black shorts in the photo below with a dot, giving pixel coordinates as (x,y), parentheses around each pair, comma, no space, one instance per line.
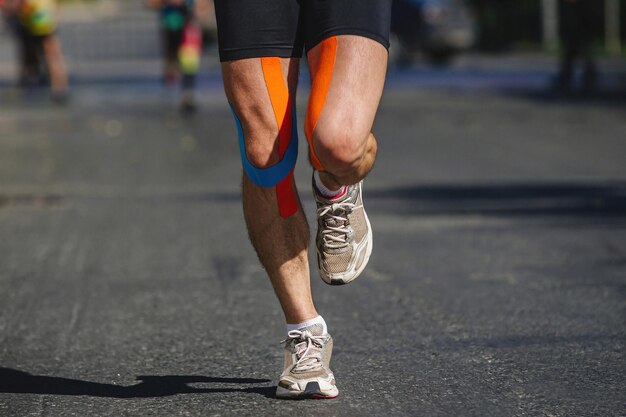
(283,28)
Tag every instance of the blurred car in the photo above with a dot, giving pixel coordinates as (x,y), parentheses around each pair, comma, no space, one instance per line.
(437,29)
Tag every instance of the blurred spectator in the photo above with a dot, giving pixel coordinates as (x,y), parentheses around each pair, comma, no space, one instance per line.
(181,36)
(30,68)
(34,23)
(578,23)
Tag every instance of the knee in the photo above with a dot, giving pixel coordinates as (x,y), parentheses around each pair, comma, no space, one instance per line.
(261,141)
(340,146)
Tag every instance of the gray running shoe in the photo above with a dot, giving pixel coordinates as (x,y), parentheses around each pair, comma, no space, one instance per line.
(306,372)
(344,236)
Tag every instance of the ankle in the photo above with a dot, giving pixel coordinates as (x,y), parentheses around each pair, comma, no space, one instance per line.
(325,189)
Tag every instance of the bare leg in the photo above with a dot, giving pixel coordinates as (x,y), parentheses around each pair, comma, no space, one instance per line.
(281,243)
(342,138)
(56,64)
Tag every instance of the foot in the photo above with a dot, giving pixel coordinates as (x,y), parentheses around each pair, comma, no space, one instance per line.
(344,236)
(60,97)
(188,104)
(306,372)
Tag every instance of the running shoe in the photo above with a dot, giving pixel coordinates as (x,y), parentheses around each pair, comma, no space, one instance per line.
(344,235)
(306,372)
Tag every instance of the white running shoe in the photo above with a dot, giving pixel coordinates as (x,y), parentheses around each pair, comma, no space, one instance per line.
(306,372)
(344,235)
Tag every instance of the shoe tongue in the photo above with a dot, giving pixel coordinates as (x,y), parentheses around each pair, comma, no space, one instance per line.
(315,329)
(332,223)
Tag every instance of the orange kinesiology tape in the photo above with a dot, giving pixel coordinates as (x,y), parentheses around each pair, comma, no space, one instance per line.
(319,90)
(283,108)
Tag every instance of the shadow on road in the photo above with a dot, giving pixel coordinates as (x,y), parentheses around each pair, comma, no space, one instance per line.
(608,98)
(19,382)
(515,199)
(603,199)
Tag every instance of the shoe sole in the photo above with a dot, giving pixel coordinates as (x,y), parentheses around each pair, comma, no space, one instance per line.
(311,392)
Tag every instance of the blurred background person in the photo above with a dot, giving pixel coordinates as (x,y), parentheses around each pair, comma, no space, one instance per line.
(579,21)
(31,72)
(35,24)
(181,35)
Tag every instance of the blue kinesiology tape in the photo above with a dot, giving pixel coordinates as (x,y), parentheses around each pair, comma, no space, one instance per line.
(270,176)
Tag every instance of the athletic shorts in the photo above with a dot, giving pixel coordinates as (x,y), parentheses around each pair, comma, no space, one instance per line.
(284,28)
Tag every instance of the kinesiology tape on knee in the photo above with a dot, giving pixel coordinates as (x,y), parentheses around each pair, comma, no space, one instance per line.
(279,175)
(319,90)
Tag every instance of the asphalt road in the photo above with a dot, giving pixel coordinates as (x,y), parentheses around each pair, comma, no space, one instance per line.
(497,286)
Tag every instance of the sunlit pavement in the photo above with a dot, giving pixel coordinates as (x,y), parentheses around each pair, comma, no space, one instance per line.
(496,287)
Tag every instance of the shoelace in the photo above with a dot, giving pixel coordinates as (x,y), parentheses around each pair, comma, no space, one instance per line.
(308,358)
(336,237)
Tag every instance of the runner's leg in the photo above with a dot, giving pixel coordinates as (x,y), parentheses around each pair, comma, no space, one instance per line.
(348,74)
(342,137)
(281,243)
